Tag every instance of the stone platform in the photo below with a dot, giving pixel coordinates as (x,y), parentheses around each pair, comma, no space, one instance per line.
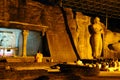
(33,70)
(28,66)
(22,59)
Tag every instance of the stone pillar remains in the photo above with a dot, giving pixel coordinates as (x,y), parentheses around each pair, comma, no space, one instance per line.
(25,35)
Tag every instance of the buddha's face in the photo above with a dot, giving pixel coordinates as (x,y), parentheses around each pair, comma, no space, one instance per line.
(96,20)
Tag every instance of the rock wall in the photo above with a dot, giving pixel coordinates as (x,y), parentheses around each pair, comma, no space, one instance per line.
(74,26)
(58,39)
(84,47)
(112,45)
(79,27)
(1,10)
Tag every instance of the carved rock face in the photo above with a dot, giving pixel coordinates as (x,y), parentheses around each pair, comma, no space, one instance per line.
(116,47)
(111,44)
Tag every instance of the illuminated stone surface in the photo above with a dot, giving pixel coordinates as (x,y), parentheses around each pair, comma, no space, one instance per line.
(97,40)
(35,16)
(111,44)
(39,57)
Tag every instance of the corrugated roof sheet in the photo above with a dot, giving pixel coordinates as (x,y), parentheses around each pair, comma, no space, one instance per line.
(95,7)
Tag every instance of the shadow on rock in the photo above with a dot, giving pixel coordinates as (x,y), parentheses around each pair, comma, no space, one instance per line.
(42,78)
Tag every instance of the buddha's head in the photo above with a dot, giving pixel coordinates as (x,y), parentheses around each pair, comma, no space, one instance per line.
(96,20)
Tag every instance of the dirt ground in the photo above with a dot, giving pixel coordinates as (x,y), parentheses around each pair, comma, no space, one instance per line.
(42,74)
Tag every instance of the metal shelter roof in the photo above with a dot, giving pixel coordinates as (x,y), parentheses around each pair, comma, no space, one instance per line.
(111,8)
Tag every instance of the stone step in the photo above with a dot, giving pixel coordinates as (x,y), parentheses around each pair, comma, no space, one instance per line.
(20,59)
(31,68)
(47,68)
(109,74)
(23,59)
